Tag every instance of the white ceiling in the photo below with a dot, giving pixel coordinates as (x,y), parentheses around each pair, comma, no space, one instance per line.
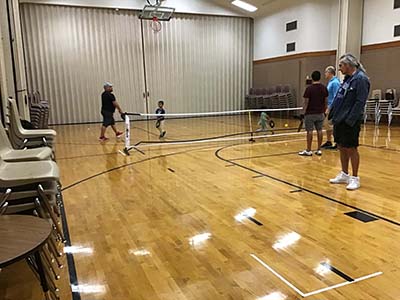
(260,4)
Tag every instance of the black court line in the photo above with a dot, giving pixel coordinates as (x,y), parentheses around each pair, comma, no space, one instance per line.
(138,150)
(263,156)
(217,154)
(296,191)
(255,221)
(171,170)
(258,176)
(73,277)
(361,216)
(120,167)
(337,272)
(86,156)
(70,258)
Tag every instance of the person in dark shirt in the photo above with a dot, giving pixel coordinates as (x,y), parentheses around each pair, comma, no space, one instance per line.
(108,106)
(315,103)
(160,124)
(346,115)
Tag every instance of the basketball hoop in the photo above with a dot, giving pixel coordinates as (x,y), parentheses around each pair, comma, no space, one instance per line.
(154,3)
(155,25)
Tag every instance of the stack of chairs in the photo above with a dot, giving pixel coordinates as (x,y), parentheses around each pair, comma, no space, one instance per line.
(275,97)
(22,138)
(39,111)
(250,98)
(30,184)
(270,93)
(260,94)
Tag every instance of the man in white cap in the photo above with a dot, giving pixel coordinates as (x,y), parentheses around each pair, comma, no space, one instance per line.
(108,106)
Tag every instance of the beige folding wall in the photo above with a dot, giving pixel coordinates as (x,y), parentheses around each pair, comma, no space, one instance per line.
(196,63)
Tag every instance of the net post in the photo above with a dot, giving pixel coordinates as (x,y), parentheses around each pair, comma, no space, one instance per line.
(127,135)
(251,128)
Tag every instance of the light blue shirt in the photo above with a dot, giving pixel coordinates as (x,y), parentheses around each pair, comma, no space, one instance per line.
(333,87)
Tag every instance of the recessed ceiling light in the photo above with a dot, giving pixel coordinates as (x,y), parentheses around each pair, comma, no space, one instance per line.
(244,5)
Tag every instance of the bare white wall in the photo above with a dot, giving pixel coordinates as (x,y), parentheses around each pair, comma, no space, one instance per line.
(379,20)
(317,23)
(183,6)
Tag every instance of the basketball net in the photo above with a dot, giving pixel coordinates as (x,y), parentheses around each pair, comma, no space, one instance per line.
(156,25)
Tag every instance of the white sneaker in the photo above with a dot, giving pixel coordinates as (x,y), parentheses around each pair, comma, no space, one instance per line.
(342,177)
(305,153)
(318,152)
(354,183)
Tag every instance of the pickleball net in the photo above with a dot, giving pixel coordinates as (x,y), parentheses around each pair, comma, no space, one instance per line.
(206,127)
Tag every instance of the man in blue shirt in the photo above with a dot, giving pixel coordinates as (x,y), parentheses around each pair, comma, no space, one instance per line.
(333,87)
(346,114)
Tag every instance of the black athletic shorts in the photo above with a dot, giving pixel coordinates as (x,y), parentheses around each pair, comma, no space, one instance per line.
(347,136)
(108,118)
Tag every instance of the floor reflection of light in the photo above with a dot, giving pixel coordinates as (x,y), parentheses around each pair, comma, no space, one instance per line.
(286,241)
(273,296)
(249,212)
(322,268)
(139,252)
(199,239)
(78,249)
(88,288)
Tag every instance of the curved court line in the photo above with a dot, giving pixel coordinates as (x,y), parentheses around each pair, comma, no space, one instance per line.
(217,154)
(121,167)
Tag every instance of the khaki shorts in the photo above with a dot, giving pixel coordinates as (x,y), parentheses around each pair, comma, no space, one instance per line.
(328,124)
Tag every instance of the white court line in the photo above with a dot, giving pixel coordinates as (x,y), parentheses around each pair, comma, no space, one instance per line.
(342,284)
(278,275)
(305,295)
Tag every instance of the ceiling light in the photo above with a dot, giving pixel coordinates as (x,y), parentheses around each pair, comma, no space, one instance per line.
(244,5)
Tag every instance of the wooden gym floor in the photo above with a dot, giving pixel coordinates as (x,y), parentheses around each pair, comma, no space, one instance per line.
(167,224)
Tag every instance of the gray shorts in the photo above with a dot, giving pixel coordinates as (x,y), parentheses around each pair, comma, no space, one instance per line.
(314,121)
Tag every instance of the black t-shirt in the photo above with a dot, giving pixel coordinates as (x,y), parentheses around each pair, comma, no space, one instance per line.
(316,94)
(107,99)
(160,111)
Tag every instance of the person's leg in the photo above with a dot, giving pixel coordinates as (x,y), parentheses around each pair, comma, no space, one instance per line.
(162,128)
(114,129)
(319,125)
(319,135)
(355,160)
(103,131)
(309,140)
(344,159)
(329,132)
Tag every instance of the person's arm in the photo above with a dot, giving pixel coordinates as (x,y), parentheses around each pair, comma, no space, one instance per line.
(326,101)
(116,105)
(326,105)
(306,102)
(306,97)
(362,91)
